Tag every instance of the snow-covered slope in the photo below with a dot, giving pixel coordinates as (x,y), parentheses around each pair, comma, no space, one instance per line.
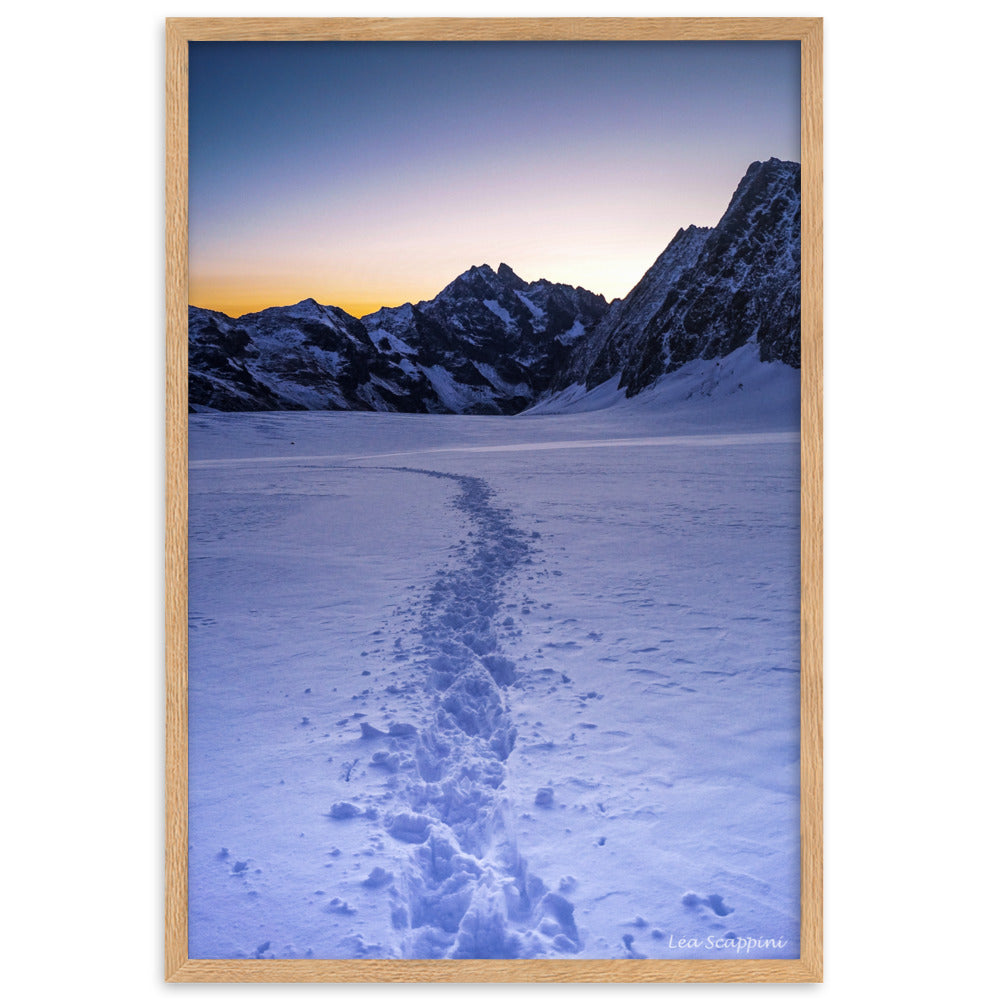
(710,292)
(745,284)
(614,342)
(495,687)
(736,391)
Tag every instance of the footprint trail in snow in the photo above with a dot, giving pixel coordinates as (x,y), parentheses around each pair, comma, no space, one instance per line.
(465,891)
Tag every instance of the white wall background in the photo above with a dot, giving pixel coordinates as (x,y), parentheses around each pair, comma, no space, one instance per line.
(911,543)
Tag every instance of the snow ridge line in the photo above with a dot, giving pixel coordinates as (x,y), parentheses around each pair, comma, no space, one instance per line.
(466,892)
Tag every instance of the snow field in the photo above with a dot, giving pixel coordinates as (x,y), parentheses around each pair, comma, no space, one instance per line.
(520,693)
(660,662)
(297,600)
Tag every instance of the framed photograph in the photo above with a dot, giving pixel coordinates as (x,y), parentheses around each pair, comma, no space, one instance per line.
(494,513)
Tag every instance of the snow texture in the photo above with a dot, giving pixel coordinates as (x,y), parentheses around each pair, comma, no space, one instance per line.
(499,687)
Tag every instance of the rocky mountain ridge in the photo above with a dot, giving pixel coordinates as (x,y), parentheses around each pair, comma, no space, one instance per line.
(491,342)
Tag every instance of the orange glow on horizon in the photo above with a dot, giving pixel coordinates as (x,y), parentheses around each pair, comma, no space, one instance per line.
(234,308)
(236,302)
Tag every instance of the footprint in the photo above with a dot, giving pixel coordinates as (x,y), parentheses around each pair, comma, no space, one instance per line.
(713,902)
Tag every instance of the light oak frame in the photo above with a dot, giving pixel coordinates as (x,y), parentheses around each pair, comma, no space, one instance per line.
(180,31)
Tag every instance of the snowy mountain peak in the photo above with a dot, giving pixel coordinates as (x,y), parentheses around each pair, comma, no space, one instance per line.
(476,280)
(488,343)
(482,281)
(710,292)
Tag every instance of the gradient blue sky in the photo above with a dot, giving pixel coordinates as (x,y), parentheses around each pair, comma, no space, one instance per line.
(372,173)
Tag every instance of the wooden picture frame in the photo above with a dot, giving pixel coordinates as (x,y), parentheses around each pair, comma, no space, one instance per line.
(178,966)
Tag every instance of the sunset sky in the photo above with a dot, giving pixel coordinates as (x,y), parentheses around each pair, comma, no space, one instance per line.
(372,173)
